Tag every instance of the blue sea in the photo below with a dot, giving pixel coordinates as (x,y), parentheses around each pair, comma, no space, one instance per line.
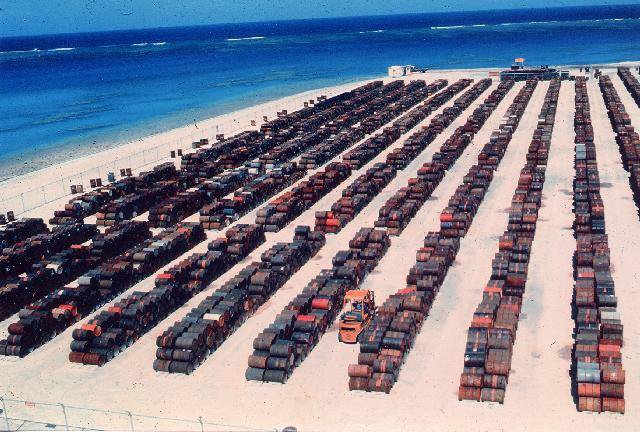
(69,89)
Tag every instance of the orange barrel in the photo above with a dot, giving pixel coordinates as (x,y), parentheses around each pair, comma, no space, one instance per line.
(469,393)
(613,405)
(93,328)
(321,303)
(589,404)
(589,390)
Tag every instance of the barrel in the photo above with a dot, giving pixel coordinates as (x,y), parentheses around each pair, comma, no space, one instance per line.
(589,404)
(278,363)
(359,383)
(161,365)
(471,380)
(365,358)
(264,341)
(469,393)
(279,376)
(258,361)
(76,357)
(613,405)
(181,367)
(94,359)
(589,390)
(360,371)
(492,395)
(321,303)
(494,381)
(80,346)
(254,374)
(611,390)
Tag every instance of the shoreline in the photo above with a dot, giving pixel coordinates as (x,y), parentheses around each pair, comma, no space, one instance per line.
(63,152)
(58,163)
(58,166)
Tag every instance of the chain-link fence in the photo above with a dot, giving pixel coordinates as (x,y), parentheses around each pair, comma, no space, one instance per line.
(21,415)
(145,159)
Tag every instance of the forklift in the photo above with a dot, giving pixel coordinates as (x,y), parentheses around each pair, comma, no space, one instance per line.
(360,309)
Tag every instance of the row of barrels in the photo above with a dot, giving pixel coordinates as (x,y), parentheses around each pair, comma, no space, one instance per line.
(370,148)
(19,257)
(221,212)
(171,201)
(322,103)
(43,319)
(112,330)
(400,208)
(285,343)
(291,204)
(626,136)
(597,374)
(140,201)
(438,254)
(20,230)
(90,202)
(53,272)
(188,342)
(387,340)
(354,198)
(492,332)
(271,216)
(204,161)
(232,152)
(631,83)
(224,211)
(369,118)
(401,156)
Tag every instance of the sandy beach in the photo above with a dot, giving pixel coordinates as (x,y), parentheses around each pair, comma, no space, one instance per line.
(317,397)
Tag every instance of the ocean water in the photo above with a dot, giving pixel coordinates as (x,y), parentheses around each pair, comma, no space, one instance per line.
(65,90)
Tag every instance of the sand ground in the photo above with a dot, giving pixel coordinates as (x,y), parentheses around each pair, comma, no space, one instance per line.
(317,397)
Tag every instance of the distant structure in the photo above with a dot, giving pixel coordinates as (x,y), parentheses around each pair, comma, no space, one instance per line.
(519,72)
(399,71)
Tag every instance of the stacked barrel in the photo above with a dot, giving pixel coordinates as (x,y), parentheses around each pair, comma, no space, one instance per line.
(492,333)
(630,82)
(89,203)
(283,345)
(354,198)
(387,340)
(187,343)
(20,230)
(626,136)
(227,210)
(597,359)
(20,256)
(293,203)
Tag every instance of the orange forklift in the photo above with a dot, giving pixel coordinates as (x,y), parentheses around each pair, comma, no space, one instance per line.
(360,308)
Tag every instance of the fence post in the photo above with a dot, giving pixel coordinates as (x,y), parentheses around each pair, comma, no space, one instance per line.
(64,412)
(130,420)
(4,411)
